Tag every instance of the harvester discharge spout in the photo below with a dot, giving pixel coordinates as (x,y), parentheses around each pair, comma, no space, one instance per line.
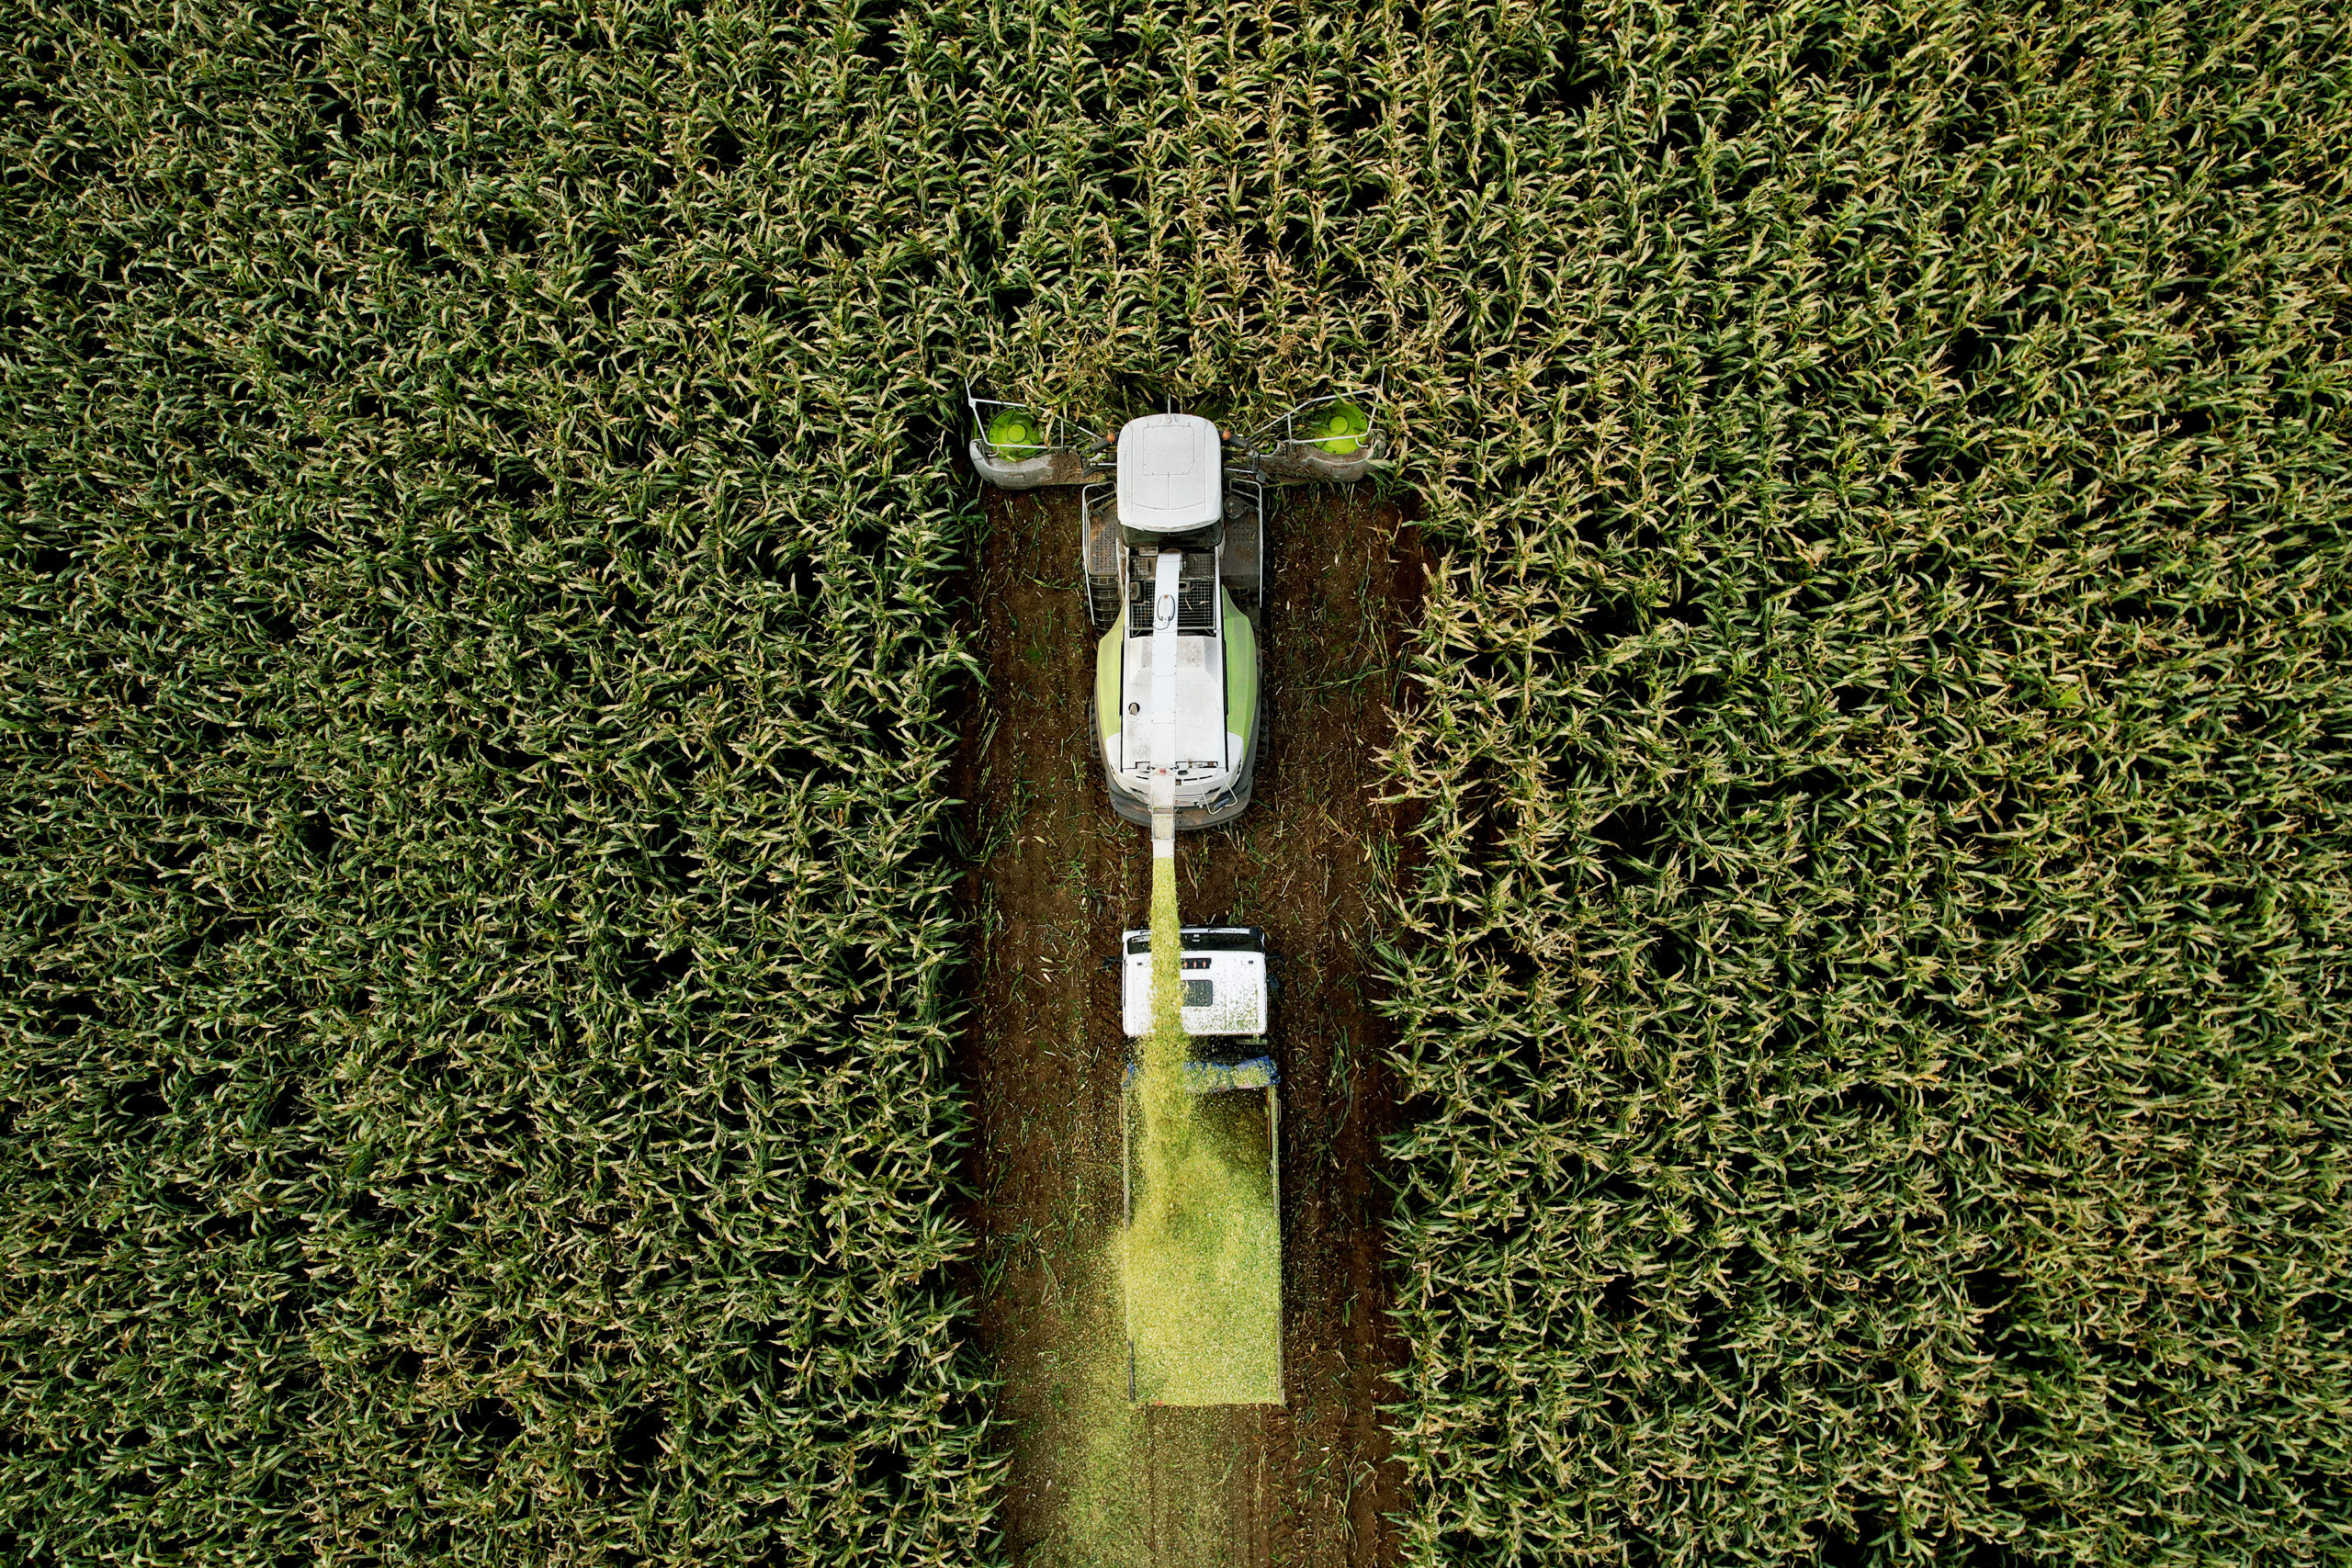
(1163,814)
(1166,577)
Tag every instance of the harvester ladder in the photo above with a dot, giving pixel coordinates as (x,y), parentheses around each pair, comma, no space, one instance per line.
(1101,600)
(1241,560)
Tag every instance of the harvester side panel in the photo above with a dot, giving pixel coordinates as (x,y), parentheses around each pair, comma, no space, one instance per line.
(1102,554)
(1242,563)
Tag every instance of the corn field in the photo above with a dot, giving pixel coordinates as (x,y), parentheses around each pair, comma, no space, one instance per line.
(480,547)
(1872,982)
(477,1033)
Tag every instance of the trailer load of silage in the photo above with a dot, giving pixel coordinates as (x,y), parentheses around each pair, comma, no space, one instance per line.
(1203,1256)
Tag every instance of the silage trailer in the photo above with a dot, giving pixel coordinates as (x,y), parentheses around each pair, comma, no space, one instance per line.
(1209,1330)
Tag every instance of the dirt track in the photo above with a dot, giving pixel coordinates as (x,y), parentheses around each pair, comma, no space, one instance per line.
(1055,878)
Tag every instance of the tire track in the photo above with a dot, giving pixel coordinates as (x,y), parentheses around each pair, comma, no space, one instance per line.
(1052,879)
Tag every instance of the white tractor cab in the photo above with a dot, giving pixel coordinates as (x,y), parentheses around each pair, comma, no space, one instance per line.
(1172,542)
(1228,988)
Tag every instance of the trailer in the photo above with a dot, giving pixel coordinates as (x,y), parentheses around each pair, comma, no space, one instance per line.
(1201,1268)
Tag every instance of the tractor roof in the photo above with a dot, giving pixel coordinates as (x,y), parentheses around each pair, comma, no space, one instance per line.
(1170,473)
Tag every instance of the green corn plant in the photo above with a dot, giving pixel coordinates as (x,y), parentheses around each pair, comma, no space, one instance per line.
(480,547)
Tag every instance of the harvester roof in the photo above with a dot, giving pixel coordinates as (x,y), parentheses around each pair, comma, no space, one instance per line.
(1172,475)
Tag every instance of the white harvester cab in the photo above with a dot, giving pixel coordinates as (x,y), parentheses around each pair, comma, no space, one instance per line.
(1170,476)
(1176,671)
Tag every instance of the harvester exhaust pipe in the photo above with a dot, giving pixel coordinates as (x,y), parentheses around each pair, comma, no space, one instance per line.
(1166,572)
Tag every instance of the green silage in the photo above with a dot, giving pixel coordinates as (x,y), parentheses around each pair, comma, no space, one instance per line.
(1202,1249)
(1194,1275)
(1205,1272)
(1167,1109)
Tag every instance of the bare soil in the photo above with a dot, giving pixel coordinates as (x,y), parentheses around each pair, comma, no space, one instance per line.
(1054,878)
